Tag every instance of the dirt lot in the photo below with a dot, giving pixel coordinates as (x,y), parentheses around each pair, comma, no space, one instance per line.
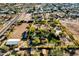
(18,30)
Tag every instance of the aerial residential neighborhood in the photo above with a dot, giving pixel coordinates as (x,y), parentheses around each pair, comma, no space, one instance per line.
(39,29)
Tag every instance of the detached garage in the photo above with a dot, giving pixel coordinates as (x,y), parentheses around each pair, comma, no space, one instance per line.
(12,41)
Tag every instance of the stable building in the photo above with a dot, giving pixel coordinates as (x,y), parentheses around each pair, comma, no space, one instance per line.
(12,42)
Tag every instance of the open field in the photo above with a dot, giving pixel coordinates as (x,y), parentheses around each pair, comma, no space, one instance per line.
(73,27)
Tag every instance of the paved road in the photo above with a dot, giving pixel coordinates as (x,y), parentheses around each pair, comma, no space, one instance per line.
(4,29)
(8,25)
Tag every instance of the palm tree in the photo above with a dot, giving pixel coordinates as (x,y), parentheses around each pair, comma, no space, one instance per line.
(31,29)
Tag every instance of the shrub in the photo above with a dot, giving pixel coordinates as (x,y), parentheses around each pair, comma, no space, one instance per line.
(36,40)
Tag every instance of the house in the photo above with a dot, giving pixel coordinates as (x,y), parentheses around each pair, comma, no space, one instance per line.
(58,30)
(12,42)
(45,52)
